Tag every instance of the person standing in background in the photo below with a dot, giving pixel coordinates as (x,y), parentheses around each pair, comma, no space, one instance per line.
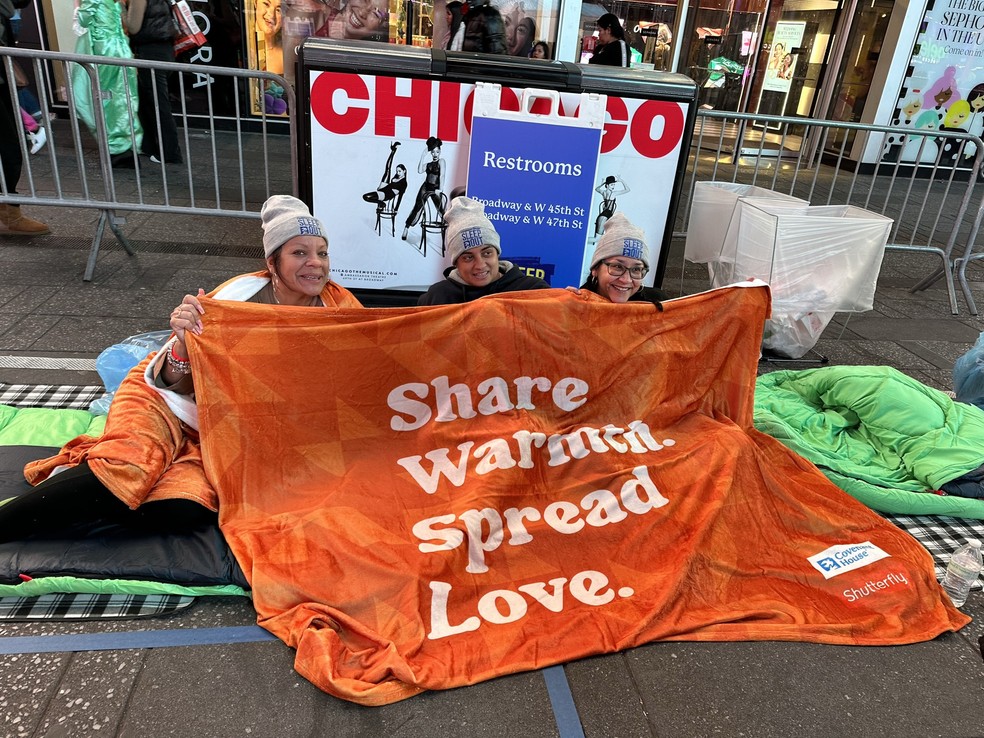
(541,50)
(455,14)
(12,221)
(100,33)
(484,30)
(152,32)
(612,49)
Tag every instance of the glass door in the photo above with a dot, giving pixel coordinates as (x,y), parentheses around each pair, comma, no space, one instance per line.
(721,39)
(857,68)
(794,57)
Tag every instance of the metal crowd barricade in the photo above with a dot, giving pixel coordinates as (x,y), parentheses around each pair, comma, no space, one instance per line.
(928,201)
(76,169)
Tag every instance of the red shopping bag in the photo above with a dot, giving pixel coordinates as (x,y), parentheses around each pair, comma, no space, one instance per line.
(189,35)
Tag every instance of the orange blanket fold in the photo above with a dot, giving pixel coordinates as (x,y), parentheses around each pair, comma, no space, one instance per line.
(145,453)
(427,498)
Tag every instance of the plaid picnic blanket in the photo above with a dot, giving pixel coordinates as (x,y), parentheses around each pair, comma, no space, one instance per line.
(940,535)
(87,606)
(49,395)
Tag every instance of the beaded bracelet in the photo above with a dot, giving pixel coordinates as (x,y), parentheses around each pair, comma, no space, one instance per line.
(181,367)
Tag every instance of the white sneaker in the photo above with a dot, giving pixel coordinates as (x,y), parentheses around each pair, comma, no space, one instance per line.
(154,159)
(38,139)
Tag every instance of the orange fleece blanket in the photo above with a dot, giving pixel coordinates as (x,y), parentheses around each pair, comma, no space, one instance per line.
(145,452)
(424,498)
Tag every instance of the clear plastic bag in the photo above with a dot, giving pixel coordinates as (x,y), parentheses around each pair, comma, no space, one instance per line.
(793,336)
(968,375)
(115,362)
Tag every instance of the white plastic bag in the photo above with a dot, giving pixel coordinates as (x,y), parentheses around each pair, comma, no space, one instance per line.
(794,336)
(711,211)
(815,259)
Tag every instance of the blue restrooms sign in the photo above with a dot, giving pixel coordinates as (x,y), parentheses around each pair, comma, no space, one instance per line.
(536,176)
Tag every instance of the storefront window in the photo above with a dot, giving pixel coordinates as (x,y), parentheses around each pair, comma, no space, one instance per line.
(525,23)
(794,57)
(649,30)
(858,66)
(720,44)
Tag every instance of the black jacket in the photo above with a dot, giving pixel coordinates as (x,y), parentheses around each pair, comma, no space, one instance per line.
(158,24)
(613,54)
(452,291)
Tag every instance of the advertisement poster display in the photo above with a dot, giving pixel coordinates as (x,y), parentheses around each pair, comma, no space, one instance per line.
(387,153)
(539,196)
(782,59)
(205,94)
(943,88)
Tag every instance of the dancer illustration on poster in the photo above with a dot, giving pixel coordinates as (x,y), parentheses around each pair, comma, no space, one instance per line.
(389,194)
(608,192)
(432,166)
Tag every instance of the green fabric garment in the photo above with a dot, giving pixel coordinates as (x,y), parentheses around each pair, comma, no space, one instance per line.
(52,585)
(104,36)
(37,426)
(881,436)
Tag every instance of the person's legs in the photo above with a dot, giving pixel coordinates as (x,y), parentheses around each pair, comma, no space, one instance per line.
(12,222)
(169,131)
(10,151)
(155,103)
(30,125)
(146,111)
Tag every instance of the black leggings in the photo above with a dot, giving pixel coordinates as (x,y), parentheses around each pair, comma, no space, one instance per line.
(74,502)
(10,151)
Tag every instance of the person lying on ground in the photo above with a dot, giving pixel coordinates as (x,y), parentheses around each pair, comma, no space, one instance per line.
(475,271)
(149,452)
(619,264)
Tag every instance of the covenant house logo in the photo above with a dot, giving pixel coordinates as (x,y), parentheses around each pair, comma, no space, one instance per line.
(844,558)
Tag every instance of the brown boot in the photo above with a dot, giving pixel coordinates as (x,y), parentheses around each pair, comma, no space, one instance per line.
(14,223)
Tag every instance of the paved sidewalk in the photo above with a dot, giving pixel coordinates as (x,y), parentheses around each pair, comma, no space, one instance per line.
(47,315)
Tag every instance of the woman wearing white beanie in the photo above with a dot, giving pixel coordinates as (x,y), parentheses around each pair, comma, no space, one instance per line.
(619,264)
(297,273)
(473,244)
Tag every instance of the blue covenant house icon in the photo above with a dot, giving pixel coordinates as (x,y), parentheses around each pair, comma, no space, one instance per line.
(828,564)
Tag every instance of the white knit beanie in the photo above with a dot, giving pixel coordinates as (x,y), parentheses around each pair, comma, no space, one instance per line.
(621,238)
(283,218)
(468,227)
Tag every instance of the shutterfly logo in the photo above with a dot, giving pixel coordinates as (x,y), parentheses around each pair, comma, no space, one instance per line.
(844,558)
(870,587)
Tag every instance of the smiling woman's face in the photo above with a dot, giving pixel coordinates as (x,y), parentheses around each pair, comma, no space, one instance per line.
(267,17)
(364,18)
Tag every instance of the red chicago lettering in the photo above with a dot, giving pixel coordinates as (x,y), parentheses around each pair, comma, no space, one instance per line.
(415,106)
(346,119)
(641,129)
(614,130)
(336,103)
(448,108)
